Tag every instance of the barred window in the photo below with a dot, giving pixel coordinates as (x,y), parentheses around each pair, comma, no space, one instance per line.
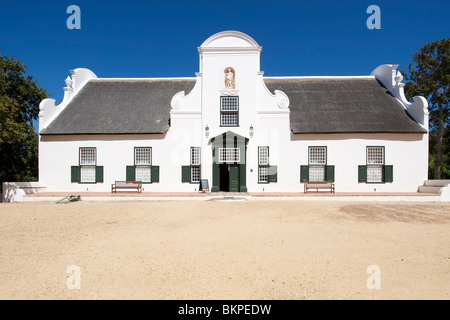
(195,156)
(143,156)
(375,155)
(87,156)
(317,155)
(229,155)
(263,155)
(195,174)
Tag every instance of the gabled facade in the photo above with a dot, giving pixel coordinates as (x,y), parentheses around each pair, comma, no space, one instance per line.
(229,124)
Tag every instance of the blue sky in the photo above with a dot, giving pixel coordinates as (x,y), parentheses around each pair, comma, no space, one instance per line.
(160,38)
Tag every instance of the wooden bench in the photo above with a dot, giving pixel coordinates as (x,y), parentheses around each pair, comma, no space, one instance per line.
(126,185)
(319,185)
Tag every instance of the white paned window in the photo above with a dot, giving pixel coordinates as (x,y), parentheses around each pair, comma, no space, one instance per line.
(87,156)
(143,156)
(375,155)
(317,162)
(88,160)
(229,111)
(143,173)
(195,174)
(229,119)
(87,174)
(229,104)
(317,155)
(263,174)
(374,173)
(143,162)
(195,156)
(263,156)
(229,155)
(375,162)
(316,173)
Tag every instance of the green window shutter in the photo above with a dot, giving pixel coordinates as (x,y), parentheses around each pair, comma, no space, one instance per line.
(362,173)
(155,174)
(186,174)
(131,173)
(329,173)
(99,174)
(75,174)
(304,173)
(388,173)
(273,173)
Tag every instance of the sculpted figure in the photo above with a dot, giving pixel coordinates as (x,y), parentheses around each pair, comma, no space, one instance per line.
(229,78)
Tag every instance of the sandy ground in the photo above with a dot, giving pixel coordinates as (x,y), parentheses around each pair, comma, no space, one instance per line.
(225,250)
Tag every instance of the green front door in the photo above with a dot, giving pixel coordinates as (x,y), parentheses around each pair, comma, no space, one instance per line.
(234,177)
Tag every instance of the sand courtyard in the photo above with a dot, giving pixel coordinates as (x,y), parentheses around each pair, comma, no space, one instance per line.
(225,250)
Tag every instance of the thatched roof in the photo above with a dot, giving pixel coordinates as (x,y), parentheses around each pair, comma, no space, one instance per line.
(120,107)
(317,106)
(343,105)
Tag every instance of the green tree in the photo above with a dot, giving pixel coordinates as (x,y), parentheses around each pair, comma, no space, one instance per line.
(429,76)
(20,96)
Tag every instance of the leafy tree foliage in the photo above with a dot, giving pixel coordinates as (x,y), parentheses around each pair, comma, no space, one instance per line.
(429,76)
(20,96)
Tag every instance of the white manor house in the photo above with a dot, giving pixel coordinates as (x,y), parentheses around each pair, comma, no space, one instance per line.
(235,127)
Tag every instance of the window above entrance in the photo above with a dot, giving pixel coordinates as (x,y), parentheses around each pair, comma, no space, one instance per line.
(229,155)
(229,111)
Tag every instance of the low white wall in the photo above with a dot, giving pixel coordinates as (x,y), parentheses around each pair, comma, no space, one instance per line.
(15,191)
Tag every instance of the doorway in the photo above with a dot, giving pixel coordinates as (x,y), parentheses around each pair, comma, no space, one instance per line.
(228,167)
(229,177)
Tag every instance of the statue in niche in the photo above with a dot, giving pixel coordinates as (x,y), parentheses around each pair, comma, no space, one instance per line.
(229,78)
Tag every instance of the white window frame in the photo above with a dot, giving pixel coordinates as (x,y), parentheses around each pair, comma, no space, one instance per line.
(195,174)
(88,156)
(317,173)
(263,156)
(263,174)
(229,104)
(229,111)
(263,164)
(195,164)
(314,156)
(87,174)
(143,164)
(88,161)
(317,161)
(229,155)
(375,155)
(143,156)
(195,156)
(143,172)
(375,163)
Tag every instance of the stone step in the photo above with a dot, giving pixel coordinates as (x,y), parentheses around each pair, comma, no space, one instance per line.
(430,189)
(437,183)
